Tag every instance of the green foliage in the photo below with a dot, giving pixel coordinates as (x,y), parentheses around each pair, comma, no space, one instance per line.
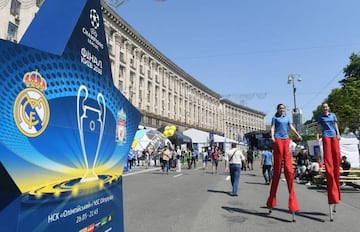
(305,138)
(344,101)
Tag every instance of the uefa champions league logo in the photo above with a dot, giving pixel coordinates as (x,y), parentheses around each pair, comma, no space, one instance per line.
(94,19)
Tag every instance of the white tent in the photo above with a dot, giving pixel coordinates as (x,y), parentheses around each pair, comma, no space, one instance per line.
(202,138)
(219,139)
(197,136)
(349,146)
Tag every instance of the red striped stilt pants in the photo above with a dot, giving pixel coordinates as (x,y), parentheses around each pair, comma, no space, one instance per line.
(331,150)
(281,153)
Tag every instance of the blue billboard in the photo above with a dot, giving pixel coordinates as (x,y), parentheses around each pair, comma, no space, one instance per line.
(66,130)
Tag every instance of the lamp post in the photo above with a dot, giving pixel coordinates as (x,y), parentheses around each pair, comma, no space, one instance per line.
(296,112)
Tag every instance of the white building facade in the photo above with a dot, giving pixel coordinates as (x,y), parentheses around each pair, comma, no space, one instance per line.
(163,92)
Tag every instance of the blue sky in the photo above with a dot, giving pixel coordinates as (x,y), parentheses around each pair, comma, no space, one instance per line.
(245,49)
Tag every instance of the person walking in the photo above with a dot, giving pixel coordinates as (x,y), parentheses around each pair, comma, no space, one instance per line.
(147,158)
(215,156)
(188,157)
(281,152)
(250,159)
(165,159)
(266,164)
(194,154)
(178,159)
(328,128)
(205,158)
(233,160)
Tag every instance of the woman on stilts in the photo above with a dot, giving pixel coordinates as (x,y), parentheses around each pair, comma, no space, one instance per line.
(328,128)
(280,124)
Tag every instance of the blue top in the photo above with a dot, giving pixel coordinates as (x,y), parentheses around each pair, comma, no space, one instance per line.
(194,154)
(327,122)
(281,126)
(267,156)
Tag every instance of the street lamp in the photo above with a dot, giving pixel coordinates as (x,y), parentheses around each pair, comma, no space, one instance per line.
(296,112)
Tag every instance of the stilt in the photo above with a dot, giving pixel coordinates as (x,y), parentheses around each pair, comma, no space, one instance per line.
(293,217)
(331,208)
(334,209)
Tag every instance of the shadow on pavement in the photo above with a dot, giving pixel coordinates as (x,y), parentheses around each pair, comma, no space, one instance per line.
(254,212)
(219,191)
(259,183)
(308,215)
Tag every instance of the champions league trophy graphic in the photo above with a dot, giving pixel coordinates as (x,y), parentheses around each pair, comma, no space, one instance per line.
(91,122)
(91,128)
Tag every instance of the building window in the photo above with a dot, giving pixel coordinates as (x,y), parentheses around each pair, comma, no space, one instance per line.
(148,95)
(122,57)
(120,87)
(110,48)
(15,7)
(156,99)
(140,96)
(39,3)
(169,99)
(121,71)
(12,32)
(132,79)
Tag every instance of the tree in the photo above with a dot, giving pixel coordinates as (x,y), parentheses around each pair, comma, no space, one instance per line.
(344,101)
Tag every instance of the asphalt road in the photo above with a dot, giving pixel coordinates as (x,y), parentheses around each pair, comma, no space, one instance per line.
(197,200)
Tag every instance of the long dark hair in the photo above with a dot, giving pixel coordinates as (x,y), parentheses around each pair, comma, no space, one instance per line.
(277,114)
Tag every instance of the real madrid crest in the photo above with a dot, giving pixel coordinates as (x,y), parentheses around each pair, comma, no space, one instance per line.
(31,108)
